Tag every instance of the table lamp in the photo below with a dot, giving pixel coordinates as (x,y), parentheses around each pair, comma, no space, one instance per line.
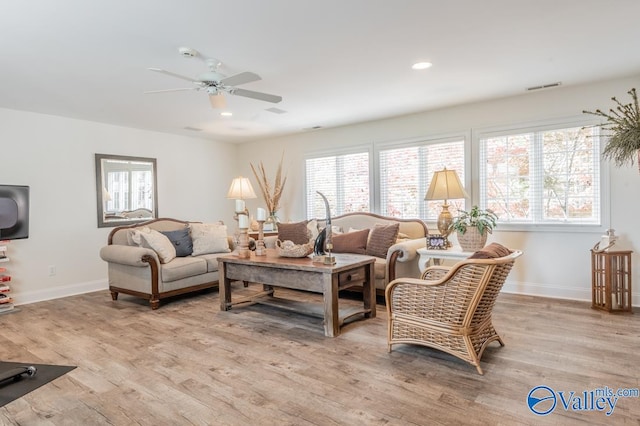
(241,190)
(445,185)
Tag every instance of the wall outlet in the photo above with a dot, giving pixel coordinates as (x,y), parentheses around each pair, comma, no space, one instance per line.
(52,270)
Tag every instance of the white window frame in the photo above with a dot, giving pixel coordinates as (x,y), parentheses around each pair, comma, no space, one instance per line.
(465,137)
(335,152)
(561,123)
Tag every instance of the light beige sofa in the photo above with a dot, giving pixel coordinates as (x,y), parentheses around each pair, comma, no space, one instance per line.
(138,271)
(402,258)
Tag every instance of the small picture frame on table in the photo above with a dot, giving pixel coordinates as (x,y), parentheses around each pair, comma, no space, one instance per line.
(436,242)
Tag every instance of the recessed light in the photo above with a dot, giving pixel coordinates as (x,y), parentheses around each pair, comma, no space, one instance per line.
(421,65)
(226,114)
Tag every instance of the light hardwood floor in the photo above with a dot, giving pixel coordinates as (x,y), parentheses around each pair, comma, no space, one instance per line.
(188,363)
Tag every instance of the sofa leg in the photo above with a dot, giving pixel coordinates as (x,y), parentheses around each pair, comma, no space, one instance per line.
(114,295)
(155,303)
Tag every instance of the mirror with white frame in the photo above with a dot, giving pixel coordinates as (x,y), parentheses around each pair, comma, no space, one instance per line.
(126,189)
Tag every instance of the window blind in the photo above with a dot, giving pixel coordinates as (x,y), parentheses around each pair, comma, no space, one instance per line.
(343,179)
(548,176)
(405,175)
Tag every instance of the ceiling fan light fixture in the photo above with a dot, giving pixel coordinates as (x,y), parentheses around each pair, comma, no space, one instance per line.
(217,100)
(421,65)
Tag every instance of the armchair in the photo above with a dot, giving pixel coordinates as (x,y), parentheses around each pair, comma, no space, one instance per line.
(449,309)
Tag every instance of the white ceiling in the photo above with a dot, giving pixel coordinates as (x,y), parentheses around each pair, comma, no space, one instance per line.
(334,62)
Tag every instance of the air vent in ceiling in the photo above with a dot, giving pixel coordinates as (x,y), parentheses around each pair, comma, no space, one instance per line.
(544,86)
(276,110)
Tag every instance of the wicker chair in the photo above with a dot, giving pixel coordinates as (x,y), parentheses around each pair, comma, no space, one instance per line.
(449,308)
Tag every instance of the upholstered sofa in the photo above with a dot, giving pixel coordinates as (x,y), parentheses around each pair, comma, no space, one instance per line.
(401,257)
(139,269)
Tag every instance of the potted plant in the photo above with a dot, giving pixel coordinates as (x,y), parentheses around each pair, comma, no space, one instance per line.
(472,227)
(623,127)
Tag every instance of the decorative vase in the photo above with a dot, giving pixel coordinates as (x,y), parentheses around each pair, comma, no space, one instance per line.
(272,221)
(472,240)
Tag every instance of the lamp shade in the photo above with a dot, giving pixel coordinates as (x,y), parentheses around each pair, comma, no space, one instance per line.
(241,189)
(445,185)
(217,100)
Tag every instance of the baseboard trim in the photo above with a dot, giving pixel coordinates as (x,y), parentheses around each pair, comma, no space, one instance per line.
(555,291)
(512,287)
(25,298)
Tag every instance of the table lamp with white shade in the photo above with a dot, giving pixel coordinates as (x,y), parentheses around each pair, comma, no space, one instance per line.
(445,185)
(241,190)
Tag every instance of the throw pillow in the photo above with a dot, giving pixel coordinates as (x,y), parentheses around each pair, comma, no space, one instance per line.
(491,251)
(209,238)
(381,238)
(351,242)
(181,240)
(150,238)
(297,232)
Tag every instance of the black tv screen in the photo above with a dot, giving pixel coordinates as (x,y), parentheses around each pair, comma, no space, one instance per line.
(14,212)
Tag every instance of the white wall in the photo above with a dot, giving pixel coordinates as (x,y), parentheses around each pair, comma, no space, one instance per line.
(554,264)
(55,157)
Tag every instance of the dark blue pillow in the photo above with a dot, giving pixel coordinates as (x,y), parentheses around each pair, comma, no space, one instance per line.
(181,240)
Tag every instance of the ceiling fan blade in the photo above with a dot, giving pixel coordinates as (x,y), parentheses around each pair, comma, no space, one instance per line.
(256,95)
(172,74)
(242,78)
(217,101)
(171,90)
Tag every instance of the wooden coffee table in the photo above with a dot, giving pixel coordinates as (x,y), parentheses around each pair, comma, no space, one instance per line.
(302,274)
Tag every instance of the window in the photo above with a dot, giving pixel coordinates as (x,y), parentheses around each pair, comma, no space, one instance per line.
(343,179)
(129,186)
(405,175)
(542,176)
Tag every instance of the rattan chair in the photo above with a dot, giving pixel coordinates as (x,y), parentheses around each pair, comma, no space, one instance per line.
(449,308)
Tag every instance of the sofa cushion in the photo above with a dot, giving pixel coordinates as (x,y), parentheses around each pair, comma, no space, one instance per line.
(181,240)
(351,242)
(212,260)
(150,238)
(297,232)
(491,251)
(209,238)
(381,238)
(183,267)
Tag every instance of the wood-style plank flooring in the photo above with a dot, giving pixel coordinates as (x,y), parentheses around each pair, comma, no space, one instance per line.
(188,363)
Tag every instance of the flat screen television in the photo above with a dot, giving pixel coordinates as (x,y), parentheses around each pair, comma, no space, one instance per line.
(14,212)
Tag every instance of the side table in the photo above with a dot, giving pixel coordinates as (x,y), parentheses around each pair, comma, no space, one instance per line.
(426,255)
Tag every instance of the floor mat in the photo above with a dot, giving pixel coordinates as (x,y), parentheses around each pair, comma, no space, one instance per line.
(14,389)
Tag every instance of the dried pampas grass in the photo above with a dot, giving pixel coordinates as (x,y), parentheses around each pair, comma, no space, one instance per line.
(270,194)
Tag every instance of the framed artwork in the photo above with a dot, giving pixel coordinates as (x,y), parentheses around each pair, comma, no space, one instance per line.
(436,242)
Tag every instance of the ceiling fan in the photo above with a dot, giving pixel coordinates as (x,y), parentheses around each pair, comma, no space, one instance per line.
(215,83)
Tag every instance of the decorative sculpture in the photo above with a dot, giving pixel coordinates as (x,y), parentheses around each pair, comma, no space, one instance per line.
(324,239)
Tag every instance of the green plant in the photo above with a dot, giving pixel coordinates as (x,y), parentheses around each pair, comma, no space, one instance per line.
(484,220)
(623,127)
